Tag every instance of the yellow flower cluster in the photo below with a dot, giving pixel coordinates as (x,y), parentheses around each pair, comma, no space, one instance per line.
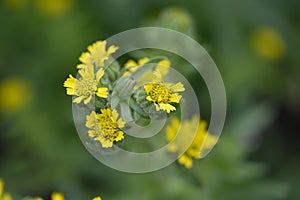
(105,127)
(113,87)
(202,140)
(163,94)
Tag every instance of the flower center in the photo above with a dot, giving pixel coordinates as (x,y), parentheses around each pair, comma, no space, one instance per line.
(108,127)
(86,87)
(160,93)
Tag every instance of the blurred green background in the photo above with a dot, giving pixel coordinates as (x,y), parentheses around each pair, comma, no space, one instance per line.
(255,44)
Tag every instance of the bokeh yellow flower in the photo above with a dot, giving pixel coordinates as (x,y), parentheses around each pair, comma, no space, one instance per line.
(1,187)
(105,127)
(268,43)
(14,94)
(97,198)
(202,140)
(53,8)
(96,54)
(57,196)
(163,94)
(86,86)
(4,195)
(131,66)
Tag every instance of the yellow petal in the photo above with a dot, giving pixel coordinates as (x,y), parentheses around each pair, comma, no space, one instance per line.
(92,133)
(157,76)
(130,63)
(115,114)
(112,49)
(157,107)
(175,98)
(186,161)
(84,58)
(120,136)
(148,88)
(91,119)
(87,72)
(143,60)
(149,98)
(99,74)
(102,92)
(87,100)
(163,67)
(167,107)
(70,82)
(120,123)
(80,66)
(178,87)
(78,99)
(92,47)
(106,144)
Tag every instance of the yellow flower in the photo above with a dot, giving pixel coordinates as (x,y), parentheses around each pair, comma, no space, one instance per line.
(14,94)
(96,54)
(202,140)
(105,127)
(162,94)
(132,66)
(57,196)
(268,43)
(97,198)
(86,86)
(53,8)
(162,66)
(3,196)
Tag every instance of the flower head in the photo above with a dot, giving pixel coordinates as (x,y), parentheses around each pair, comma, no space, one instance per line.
(97,198)
(96,54)
(86,86)
(268,43)
(14,94)
(57,196)
(202,140)
(105,127)
(162,94)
